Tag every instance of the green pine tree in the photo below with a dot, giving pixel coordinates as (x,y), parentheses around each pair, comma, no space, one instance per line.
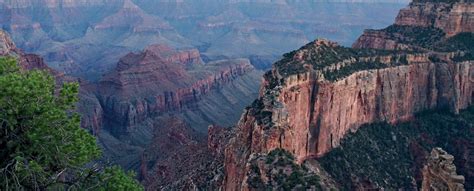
(42,144)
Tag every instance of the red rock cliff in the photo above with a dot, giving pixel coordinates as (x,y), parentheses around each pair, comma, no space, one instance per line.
(316,95)
(451,18)
(310,115)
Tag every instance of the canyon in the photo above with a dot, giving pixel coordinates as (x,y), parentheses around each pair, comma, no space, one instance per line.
(161,84)
(141,61)
(165,85)
(152,97)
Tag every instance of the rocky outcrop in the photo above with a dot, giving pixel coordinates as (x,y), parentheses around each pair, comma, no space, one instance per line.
(440,173)
(159,80)
(316,95)
(6,44)
(277,170)
(379,40)
(450,17)
(26,61)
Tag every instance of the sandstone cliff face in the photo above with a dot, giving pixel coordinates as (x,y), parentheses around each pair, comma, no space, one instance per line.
(160,80)
(440,173)
(330,110)
(451,18)
(379,40)
(316,95)
(310,116)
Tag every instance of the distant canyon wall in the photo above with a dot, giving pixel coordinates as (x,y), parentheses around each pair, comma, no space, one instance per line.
(127,113)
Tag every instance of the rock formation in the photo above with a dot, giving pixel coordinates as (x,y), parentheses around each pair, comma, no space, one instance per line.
(440,173)
(451,17)
(155,106)
(314,96)
(160,80)
(26,61)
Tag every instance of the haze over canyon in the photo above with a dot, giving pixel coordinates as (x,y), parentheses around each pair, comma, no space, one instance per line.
(264,94)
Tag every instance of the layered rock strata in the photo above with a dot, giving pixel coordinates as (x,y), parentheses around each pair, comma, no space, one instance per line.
(450,17)
(160,80)
(453,17)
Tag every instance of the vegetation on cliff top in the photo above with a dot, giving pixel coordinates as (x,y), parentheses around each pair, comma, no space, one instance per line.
(391,157)
(363,65)
(430,38)
(281,173)
(320,56)
(461,42)
(424,37)
(43,145)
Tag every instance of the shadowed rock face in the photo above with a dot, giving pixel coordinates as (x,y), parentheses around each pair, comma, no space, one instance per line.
(314,96)
(440,173)
(180,158)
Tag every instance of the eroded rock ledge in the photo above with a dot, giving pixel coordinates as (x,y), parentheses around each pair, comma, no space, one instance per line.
(440,173)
